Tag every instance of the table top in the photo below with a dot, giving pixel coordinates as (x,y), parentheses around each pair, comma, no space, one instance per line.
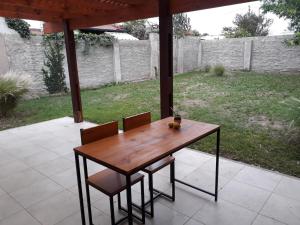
(131,151)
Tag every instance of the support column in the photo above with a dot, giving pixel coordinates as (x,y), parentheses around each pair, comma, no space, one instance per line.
(73,72)
(166,58)
(247,54)
(180,55)
(199,64)
(154,60)
(117,62)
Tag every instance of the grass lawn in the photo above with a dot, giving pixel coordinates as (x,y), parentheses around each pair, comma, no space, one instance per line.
(259,113)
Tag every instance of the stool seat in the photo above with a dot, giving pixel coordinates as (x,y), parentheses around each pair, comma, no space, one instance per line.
(154,167)
(111,182)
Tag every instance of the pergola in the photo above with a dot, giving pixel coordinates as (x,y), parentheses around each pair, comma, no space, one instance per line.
(68,15)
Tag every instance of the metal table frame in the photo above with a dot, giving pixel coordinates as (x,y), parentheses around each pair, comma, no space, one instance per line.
(128,181)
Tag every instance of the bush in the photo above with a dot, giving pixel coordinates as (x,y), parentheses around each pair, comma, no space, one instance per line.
(21,26)
(218,70)
(207,68)
(12,87)
(53,70)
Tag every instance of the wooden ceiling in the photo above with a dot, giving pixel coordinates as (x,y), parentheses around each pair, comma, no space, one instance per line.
(88,13)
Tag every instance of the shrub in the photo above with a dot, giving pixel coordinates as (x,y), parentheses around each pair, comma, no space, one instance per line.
(207,68)
(21,26)
(13,86)
(53,70)
(218,70)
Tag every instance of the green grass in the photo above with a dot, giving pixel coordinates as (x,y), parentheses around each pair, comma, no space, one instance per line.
(259,113)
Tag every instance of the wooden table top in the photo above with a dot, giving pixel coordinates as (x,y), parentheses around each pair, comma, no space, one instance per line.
(133,150)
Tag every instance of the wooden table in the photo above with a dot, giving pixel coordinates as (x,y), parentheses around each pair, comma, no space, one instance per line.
(129,152)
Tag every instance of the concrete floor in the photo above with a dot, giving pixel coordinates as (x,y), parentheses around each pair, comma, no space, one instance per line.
(38,185)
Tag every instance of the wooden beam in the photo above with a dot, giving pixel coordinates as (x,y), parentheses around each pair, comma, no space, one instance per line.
(21,15)
(25,10)
(78,7)
(142,11)
(73,72)
(166,58)
(135,11)
(179,6)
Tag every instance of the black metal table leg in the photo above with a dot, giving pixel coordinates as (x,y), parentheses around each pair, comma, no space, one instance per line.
(79,189)
(215,194)
(151,195)
(129,200)
(217,164)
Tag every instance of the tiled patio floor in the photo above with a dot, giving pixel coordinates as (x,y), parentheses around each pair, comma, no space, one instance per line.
(38,185)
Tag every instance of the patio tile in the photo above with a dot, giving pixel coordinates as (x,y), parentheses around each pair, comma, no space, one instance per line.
(68,134)
(70,157)
(46,139)
(282,209)
(20,218)
(24,149)
(8,206)
(39,158)
(160,182)
(6,137)
(20,180)
(187,202)
(54,166)
(181,170)
(5,158)
(224,213)
(66,178)
(166,216)
(104,206)
(94,193)
(2,192)
(263,220)
(36,192)
(258,177)
(63,149)
(227,168)
(75,219)
(192,157)
(205,180)
(244,195)
(93,167)
(193,222)
(55,209)
(11,168)
(289,187)
(102,219)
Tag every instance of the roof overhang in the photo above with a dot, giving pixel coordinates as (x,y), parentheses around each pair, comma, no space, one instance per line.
(83,13)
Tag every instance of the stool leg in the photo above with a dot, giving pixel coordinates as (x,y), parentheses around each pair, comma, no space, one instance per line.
(143,200)
(151,194)
(112,211)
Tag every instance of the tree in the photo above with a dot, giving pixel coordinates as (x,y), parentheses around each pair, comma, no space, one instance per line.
(181,25)
(141,28)
(136,28)
(53,72)
(21,26)
(287,9)
(248,25)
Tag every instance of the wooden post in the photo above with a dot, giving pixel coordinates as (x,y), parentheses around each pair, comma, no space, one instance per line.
(73,72)
(166,58)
